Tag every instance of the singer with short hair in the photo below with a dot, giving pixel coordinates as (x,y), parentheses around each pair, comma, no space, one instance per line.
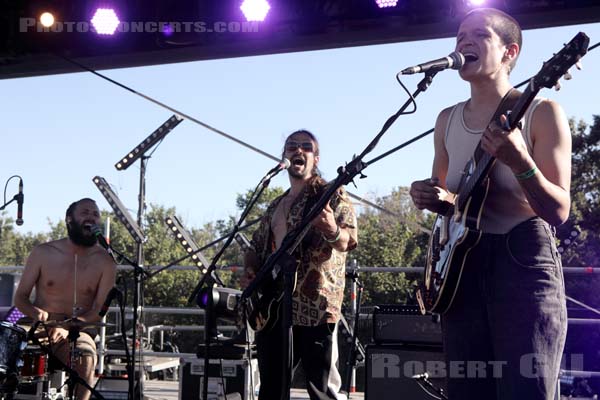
(72,277)
(319,291)
(507,323)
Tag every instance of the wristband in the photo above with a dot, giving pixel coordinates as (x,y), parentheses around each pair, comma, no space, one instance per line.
(338,234)
(526,174)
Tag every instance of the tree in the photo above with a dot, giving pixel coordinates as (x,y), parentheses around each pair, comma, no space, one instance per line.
(387,240)
(585,203)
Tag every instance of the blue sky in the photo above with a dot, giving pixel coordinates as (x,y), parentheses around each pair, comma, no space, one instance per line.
(59,131)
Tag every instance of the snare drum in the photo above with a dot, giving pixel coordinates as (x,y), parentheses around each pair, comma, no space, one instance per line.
(12,342)
(35,364)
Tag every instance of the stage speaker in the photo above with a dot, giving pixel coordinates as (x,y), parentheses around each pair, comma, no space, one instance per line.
(390,370)
(228,379)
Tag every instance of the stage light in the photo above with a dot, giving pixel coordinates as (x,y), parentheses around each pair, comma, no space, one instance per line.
(188,242)
(255,10)
(119,209)
(476,3)
(386,3)
(105,21)
(224,300)
(150,141)
(47,19)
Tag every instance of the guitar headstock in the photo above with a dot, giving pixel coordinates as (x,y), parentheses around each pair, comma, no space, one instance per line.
(561,62)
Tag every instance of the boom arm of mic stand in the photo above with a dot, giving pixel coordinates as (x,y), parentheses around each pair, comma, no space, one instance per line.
(136,268)
(255,196)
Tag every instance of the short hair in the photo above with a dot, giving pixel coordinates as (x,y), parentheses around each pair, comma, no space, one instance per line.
(505,26)
(74,205)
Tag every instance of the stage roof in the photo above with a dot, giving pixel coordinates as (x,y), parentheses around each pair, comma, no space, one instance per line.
(204,30)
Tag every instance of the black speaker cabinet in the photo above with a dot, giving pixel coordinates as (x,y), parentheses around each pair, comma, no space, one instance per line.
(7,286)
(390,370)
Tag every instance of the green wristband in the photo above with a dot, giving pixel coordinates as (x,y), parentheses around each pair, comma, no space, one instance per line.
(526,174)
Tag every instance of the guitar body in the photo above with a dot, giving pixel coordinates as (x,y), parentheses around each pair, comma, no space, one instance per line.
(263,307)
(453,236)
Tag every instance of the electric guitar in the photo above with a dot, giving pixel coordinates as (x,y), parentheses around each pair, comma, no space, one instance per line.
(457,231)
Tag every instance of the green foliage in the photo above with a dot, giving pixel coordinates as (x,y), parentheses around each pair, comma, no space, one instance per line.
(387,240)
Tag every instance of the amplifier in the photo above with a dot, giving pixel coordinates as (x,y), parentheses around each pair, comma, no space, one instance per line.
(393,323)
(390,370)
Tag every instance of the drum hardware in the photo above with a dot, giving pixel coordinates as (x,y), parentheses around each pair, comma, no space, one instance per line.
(13,340)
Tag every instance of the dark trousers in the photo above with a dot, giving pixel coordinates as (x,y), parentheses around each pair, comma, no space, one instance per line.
(314,346)
(505,331)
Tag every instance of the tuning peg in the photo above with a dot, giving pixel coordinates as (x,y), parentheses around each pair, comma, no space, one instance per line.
(557,86)
(578,65)
(568,76)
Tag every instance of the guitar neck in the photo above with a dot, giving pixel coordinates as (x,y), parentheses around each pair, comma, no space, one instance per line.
(483,160)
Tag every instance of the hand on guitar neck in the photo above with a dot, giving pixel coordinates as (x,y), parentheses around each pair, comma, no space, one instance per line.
(429,195)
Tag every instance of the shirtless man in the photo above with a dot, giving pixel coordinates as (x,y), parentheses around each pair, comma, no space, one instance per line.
(72,277)
(319,292)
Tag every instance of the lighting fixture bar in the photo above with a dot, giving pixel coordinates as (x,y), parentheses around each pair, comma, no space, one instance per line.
(188,242)
(147,143)
(119,210)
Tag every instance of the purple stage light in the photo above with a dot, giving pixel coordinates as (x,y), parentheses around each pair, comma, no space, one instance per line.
(476,3)
(255,10)
(105,21)
(386,3)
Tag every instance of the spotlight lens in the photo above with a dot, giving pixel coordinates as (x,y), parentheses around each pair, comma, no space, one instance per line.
(386,3)
(105,21)
(47,19)
(476,3)
(255,10)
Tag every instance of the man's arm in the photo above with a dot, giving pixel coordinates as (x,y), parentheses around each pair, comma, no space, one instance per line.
(341,232)
(31,273)
(107,281)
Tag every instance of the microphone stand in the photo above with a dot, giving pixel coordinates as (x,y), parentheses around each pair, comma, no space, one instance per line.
(351,360)
(282,258)
(210,278)
(130,357)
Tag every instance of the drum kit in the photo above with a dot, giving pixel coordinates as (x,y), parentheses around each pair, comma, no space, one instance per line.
(26,363)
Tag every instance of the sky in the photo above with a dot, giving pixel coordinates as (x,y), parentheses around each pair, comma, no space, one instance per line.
(60,131)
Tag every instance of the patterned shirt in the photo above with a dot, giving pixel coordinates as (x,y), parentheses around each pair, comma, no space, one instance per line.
(319,291)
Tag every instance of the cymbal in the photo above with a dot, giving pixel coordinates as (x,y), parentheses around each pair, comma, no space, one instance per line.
(76,323)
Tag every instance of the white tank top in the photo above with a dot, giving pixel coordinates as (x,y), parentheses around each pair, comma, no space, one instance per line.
(506,205)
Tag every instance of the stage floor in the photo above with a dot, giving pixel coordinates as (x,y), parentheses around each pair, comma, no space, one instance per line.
(169,390)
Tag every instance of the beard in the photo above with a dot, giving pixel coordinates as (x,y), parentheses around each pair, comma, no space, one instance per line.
(79,236)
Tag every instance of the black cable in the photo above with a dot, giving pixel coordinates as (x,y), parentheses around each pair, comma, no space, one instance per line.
(6,185)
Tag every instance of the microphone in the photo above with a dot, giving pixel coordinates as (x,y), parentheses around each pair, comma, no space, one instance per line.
(455,60)
(114,293)
(284,164)
(20,200)
(421,377)
(101,239)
